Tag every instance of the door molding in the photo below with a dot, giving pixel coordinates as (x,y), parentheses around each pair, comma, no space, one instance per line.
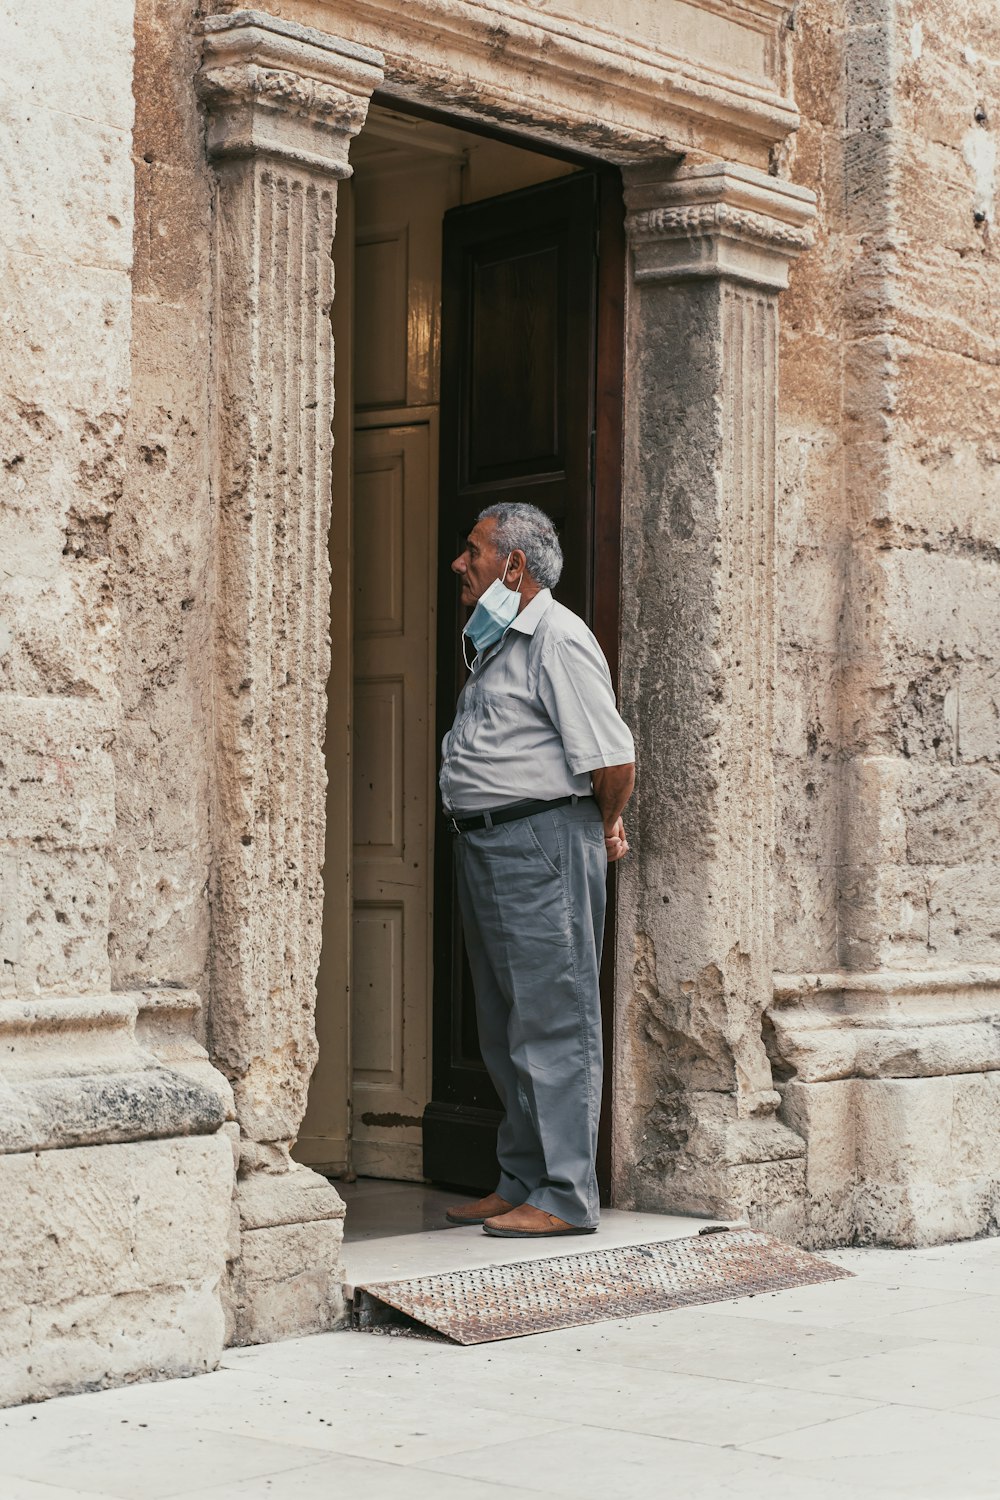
(710,253)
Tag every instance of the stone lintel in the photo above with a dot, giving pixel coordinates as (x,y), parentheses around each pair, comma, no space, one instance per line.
(717,220)
(279,90)
(581,80)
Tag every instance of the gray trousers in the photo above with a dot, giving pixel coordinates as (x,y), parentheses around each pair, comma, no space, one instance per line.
(533,894)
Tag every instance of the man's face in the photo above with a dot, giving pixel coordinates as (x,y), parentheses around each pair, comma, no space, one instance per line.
(479,564)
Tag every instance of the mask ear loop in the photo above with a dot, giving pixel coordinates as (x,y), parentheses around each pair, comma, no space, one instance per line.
(506,570)
(469,665)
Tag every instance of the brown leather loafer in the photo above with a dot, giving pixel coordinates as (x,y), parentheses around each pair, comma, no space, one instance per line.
(478,1212)
(529,1223)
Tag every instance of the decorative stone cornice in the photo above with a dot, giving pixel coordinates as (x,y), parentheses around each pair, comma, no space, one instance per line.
(892,985)
(718,220)
(892,1023)
(275,89)
(76,1074)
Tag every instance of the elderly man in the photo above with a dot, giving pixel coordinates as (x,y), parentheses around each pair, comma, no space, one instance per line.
(536,772)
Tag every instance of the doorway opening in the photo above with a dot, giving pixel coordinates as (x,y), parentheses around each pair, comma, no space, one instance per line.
(478,323)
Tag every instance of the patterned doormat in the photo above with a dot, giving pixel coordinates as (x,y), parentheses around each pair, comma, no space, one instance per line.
(537,1296)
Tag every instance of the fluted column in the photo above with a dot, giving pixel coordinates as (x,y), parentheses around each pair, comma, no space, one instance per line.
(283,104)
(695,1108)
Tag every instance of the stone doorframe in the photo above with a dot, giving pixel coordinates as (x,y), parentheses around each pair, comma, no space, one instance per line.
(695,1119)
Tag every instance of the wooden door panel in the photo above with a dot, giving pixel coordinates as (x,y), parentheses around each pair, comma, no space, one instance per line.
(381,296)
(378,547)
(517,418)
(378,782)
(377,993)
(393,688)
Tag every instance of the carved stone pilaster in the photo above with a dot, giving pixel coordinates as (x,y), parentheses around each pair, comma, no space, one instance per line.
(710,248)
(276,89)
(283,104)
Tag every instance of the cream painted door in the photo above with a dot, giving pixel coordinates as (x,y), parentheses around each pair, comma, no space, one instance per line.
(393,766)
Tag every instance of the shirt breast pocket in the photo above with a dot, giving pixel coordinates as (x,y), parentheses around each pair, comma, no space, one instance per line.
(498,711)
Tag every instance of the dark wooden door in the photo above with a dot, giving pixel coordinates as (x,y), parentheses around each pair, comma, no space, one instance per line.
(518,356)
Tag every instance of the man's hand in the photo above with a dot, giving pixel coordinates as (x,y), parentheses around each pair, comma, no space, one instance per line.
(612,788)
(615,841)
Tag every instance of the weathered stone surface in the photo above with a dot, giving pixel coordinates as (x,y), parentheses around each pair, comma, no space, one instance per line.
(148,1214)
(64,358)
(168,127)
(111,1255)
(111,1260)
(858,1033)
(901,1162)
(87,1343)
(161,534)
(904,275)
(287,1282)
(50,1113)
(826,1117)
(282,105)
(47,307)
(78,168)
(274,387)
(298,1196)
(55,929)
(80,53)
(169,1026)
(915,1188)
(57,778)
(695,919)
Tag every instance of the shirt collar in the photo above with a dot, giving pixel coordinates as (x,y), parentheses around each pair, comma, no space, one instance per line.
(528,620)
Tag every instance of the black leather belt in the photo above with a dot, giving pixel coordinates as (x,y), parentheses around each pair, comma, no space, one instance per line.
(507,814)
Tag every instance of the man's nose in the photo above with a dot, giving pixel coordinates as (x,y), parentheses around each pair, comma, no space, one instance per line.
(458,566)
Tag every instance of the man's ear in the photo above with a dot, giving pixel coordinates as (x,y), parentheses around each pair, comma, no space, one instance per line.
(518,564)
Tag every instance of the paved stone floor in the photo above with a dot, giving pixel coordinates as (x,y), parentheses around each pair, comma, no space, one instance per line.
(884,1385)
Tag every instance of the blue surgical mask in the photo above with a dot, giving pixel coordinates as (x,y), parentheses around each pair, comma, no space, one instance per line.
(495,611)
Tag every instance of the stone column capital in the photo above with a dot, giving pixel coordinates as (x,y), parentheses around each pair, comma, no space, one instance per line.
(716,220)
(275,89)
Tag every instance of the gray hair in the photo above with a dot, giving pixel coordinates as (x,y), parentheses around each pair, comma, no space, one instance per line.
(529,530)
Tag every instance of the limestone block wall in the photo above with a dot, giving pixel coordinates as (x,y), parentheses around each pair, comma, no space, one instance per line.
(810,534)
(888,943)
(923,395)
(65,376)
(116,1170)
(161,547)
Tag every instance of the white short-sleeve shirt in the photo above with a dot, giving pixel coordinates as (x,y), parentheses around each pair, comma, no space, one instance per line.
(536,716)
